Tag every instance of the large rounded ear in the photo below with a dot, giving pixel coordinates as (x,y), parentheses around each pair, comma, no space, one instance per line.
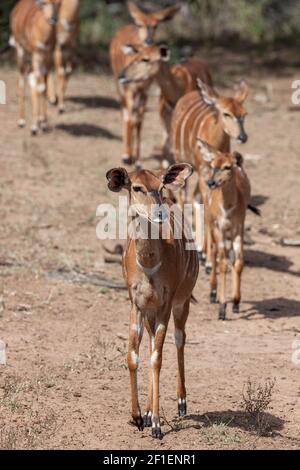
(118,179)
(136,14)
(207,151)
(164,52)
(176,176)
(238,158)
(242,92)
(166,14)
(208,94)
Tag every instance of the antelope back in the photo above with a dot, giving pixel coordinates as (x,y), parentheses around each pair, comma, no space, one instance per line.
(189,70)
(210,117)
(189,115)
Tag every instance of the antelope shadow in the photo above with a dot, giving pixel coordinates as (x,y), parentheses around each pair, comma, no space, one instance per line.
(87,130)
(95,101)
(273,308)
(278,263)
(235,419)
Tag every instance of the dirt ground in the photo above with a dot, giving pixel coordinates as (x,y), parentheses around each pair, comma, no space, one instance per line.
(65,384)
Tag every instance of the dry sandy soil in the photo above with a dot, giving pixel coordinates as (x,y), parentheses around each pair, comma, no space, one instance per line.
(65,384)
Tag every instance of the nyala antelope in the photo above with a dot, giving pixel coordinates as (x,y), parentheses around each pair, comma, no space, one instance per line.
(134,96)
(215,119)
(173,80)
(32,24)
(160,274)
(226,207)
(66,31)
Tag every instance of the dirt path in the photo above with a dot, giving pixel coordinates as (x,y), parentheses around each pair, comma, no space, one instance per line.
(65,384)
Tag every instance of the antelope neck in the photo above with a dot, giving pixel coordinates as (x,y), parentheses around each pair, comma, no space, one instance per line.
(228,193)
(148,255)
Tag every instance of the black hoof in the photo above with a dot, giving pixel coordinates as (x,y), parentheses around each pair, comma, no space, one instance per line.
(222,312)
(61,110)
(181,407)
(127,160)
(207,269)
(45,129)
(147,419)
(21,123)
(34,132)
(236,306)
(156,432)
(213,297)
(139,423)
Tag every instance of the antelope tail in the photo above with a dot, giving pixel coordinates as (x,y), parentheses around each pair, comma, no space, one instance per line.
(254,209)
(194,300)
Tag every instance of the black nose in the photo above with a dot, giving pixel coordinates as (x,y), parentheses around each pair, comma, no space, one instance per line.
(149,41)
(211,184)
(243,138)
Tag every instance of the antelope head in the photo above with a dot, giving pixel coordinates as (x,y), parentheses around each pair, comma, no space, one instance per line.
(148,22)
(50,10)
(145,62)
(232,111)
(146,189)
(221,165)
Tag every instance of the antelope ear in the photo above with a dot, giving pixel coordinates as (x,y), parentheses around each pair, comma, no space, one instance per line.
(164,52)
(136,14)
(166,14)
(207,151)
(238,158)
(208,94)
(129,49)
(117,179)
(242,92)
(176,176)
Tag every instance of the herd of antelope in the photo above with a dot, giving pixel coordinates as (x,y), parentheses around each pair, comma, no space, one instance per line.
(198,125)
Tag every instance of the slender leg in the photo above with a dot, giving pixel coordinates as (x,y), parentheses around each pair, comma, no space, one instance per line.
(21,85)
(213,275)
(139,123)
(39,91)
(135,336)
(222,296)
(156,361)
(180,314)
(206,251)
(128,126)
(34,103)
(208,262)
(52,98)
(60,71)
(148,414)
(237,270)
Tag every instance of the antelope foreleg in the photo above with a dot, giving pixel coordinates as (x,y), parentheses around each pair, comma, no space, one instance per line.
(135,336)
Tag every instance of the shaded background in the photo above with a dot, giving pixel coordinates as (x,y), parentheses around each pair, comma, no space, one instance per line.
(256,25)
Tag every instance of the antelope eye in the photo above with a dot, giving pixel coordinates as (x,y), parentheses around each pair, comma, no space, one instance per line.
(138,189)
(227,115)
(145,60)
(227,167)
